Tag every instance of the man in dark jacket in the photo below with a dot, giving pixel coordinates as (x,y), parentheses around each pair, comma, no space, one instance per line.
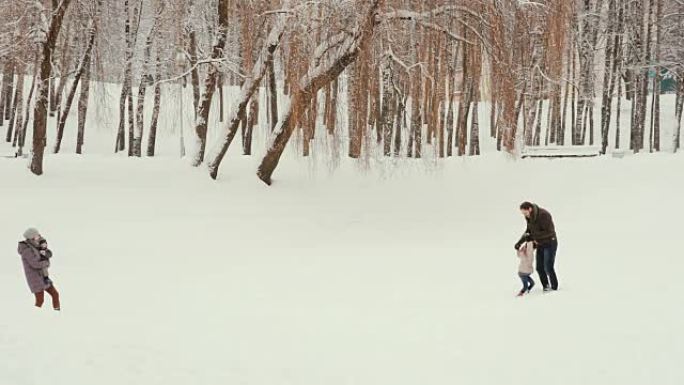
(541,230)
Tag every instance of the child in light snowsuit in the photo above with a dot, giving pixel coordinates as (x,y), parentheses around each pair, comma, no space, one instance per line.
(45,255)
(525,269)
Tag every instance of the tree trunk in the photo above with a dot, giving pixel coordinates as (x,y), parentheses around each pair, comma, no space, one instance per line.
(579,120)
(520,104)
(354,91)
(656,86)
(142,93)
(399,124)
(332,112)
(441,122)
(585,122)
(440,100)
(554,123)
(415,92)
(548,120)
(609,67)
(309,125)
(474,148)
(500,130)
(618,112)
(415,136)
(131,122)
(374,119)
(450,108)
(588,40)
(83,108)
(641,89)
(40,108)
(273,93)
(359,128)
(573,101)
(6,93)
(16,117)
(56,97)
(243,125)
(464,104)
(536,83)
(202,121)
(137,12)
(634,125)
(63,79)
(52,92)
(251,122)
(22,135)
(121,131)
(679,109)
(127,81)
(409,144)
(537,127)
(463,113)
(3,100)
(139,117)
(386,114)
(586,64)
(152,139)
(194,73)
(430,87)
(220,101)
(560,136)
(590,113)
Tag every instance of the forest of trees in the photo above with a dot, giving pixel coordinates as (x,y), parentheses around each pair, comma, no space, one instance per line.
(416,73)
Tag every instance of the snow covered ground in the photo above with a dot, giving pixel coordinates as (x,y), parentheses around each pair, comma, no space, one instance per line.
(400,275)
(387,272)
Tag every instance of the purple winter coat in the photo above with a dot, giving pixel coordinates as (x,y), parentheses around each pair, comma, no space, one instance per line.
(33,265)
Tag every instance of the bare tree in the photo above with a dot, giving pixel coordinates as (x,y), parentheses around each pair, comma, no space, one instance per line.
(152,140)
(40,110)
(210,84)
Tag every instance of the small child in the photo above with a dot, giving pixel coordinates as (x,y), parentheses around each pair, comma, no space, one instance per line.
(45,254)
(526,255)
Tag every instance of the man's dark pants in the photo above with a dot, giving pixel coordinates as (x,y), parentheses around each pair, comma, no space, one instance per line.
(546,258)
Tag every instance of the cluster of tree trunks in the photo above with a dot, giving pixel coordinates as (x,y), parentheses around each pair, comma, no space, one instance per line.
(423,88)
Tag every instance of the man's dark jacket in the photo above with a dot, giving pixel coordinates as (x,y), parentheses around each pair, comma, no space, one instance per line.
(540,227)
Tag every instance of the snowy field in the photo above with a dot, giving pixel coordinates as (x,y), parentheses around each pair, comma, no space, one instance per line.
(400,275)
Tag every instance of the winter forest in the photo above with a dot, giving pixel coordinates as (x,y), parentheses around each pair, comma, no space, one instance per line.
(341,192)
(394,78)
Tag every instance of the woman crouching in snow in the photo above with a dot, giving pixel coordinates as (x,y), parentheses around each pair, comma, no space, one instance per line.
(525,269)
(36,259)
